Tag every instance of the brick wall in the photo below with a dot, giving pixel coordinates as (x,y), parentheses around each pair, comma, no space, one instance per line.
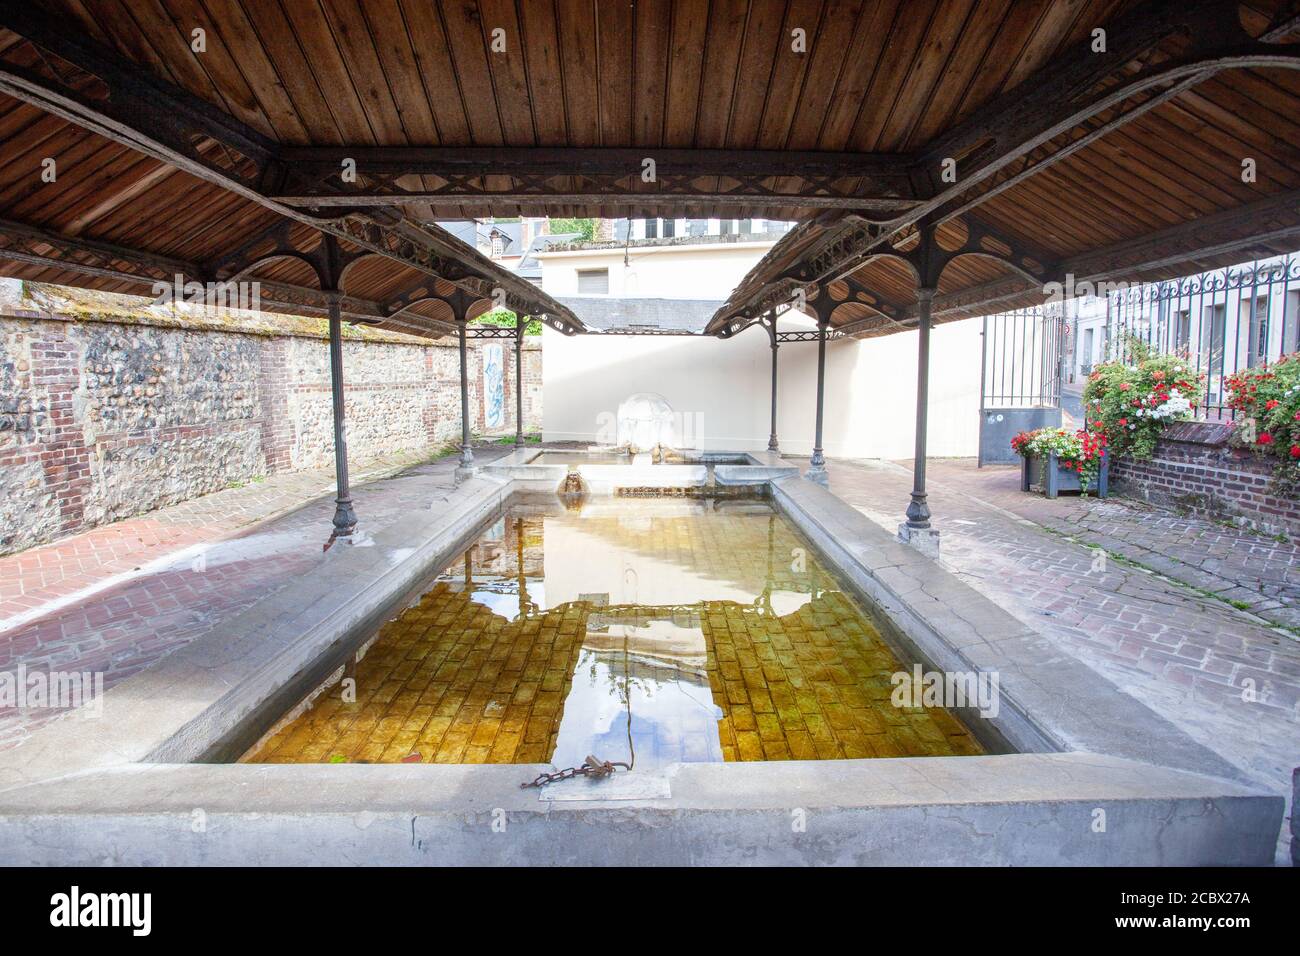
(1194,469)
(110,414)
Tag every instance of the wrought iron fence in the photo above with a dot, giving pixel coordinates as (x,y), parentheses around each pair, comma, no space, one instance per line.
(1221,322)
(1022,358)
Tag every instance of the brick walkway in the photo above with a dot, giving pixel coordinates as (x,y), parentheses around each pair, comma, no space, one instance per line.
(1154,617)
(118,598)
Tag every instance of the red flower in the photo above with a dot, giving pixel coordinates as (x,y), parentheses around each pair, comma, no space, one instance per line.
(1264,438)
(1295,451)
(1123,421)
(1124,386)
(1271,404)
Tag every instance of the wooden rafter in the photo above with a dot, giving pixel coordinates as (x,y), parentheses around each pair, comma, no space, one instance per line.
(97,90)
(1008,131)
(312,177)
(1255,226)
(22,243)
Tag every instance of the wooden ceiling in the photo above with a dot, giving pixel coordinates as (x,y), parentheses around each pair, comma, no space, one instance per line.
(1140,186)
(876,77)
(214,159)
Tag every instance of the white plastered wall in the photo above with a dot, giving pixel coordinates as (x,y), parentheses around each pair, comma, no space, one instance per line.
(870,389)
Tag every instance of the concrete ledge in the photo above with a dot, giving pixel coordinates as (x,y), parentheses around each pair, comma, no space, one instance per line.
(271,653)
(730,475)
(518,458)
(925,540)
(541,478)
(690,472)
(1050,700)
(608,479)
(1024,809)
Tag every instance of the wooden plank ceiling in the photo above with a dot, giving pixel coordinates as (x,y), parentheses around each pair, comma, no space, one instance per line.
(445,117)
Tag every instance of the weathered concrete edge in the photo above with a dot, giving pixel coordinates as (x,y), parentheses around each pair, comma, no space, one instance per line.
(1017,809)
(861,550)
(359,612)
(211,685)
(1056,701)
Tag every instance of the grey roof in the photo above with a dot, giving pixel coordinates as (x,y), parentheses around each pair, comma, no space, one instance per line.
(529,266)
(608,314)
(471,230)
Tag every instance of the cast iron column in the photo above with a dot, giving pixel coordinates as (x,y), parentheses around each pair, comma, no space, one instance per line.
(345,519)
(817,464)
(772,444)
(918,512)
(520,322)
(466,452)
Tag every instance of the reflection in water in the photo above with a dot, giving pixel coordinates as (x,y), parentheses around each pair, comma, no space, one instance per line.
(653,631)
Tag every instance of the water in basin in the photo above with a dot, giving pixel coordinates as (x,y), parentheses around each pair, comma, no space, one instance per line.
(645,631)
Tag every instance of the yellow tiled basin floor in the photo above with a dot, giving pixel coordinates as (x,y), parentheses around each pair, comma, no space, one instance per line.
(649,631)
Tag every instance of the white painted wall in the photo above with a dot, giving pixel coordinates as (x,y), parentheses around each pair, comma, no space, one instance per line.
(870,389)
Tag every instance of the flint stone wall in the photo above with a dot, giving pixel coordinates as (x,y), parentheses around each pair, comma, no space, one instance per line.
(106,414)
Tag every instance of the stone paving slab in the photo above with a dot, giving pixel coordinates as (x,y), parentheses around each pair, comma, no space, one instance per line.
(1182,650)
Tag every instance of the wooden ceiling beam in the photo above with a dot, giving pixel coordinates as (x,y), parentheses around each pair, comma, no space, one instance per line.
(40,247)
(313,177)
(1269,220)
(97,90)
(1068,92)
(1247,230)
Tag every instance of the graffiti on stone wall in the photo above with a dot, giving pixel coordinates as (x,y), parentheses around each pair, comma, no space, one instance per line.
(494,390)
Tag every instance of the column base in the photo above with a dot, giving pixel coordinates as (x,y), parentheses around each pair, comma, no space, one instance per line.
(818,475)
(466,471)
(925,540)
(345,519)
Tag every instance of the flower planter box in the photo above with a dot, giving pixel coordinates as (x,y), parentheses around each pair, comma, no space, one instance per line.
(1056,478)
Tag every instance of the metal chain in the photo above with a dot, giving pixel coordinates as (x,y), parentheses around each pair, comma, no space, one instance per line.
(592,767)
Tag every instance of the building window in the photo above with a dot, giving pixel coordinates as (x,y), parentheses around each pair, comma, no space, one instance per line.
(1182,330)
(1257,344)
(652,228)
(670,228)
(593,282)
(1291,323)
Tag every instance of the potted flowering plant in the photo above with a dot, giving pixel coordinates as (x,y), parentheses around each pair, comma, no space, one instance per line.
(1131,404)
(1063,460)
(1267,405)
